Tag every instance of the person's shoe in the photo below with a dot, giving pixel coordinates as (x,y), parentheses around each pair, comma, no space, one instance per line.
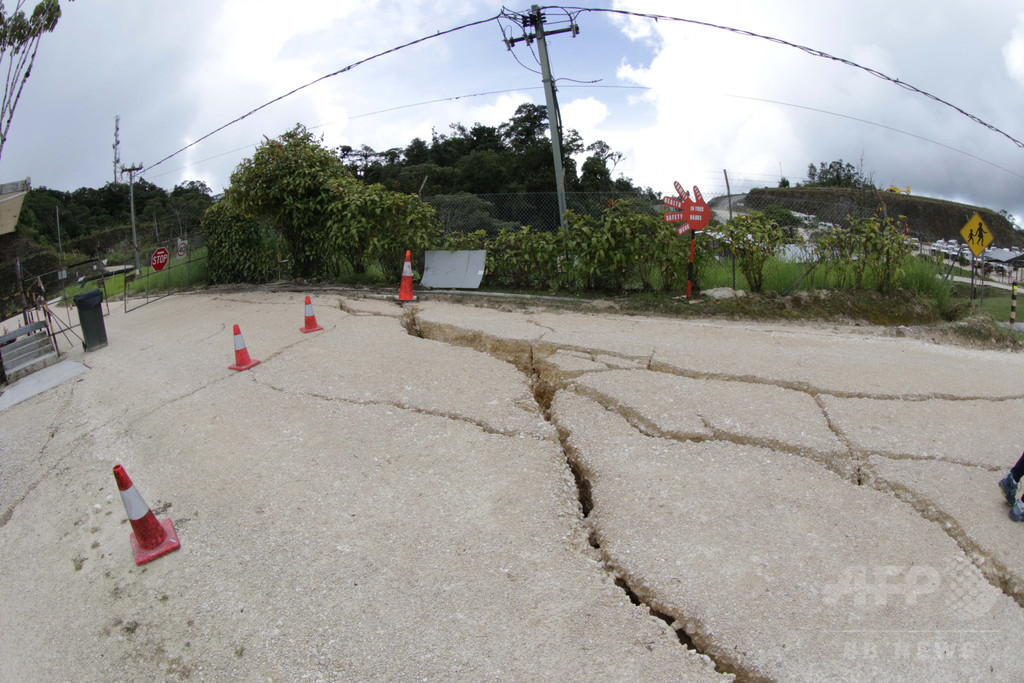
(1009,487)
(1017,512)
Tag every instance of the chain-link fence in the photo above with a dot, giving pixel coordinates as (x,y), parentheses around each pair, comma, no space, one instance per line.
(165,267)
(50,295)
(465,213)
(806,213)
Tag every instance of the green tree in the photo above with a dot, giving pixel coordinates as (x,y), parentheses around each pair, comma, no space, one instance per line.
(284,182)
(19,43)
(188,202)
(836,174)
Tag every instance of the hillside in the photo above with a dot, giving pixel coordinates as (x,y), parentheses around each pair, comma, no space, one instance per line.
(929,219)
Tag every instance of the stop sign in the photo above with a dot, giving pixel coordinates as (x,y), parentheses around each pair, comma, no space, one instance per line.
(159,259)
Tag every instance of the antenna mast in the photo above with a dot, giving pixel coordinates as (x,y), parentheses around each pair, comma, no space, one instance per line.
(117,144)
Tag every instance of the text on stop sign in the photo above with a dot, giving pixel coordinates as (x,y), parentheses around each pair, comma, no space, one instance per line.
(159,259)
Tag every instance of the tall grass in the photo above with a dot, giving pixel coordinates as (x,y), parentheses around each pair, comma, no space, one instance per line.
(922,276)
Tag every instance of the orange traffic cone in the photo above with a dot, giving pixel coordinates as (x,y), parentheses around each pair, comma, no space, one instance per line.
(311,325)
(405,290)
(242,359)
(150,537)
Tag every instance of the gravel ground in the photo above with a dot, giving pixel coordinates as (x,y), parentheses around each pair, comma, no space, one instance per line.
(443,491)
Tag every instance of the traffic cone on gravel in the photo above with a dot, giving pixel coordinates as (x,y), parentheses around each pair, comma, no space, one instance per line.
(242,359)
(311,325)
(405,290)
(150,537)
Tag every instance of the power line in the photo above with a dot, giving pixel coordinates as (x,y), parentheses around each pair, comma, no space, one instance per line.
(452,98)
(879,125)
(809,50)
(572,13)
(323,78)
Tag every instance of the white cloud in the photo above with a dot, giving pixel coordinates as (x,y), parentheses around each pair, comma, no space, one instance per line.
(586,115)
(175,74)
(1013,52)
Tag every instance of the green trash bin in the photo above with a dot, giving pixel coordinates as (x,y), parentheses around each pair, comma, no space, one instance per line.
(90,315)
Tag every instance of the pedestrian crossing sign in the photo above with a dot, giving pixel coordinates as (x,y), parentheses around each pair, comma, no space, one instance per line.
(976,234)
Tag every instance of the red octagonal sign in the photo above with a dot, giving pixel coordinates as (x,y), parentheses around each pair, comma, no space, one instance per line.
(159,259)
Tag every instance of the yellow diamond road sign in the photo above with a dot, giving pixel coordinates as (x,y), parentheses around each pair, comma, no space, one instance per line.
(976,234)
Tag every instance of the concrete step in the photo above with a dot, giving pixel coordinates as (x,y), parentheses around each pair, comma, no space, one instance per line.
(26,354)
(26,347)
(30,365)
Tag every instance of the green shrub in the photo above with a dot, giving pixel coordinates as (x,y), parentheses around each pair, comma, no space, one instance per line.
(753,239)
(368,226)
(878,246)
(523,259)
(782,216)
(465,241)
(625,250)
(240,248)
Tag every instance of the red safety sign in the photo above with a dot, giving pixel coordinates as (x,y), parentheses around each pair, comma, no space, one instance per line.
(159,259)
(695,212)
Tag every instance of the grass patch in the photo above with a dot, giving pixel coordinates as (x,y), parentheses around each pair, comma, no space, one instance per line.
(177,275)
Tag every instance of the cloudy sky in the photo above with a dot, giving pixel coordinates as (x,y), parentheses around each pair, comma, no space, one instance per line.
(681,101)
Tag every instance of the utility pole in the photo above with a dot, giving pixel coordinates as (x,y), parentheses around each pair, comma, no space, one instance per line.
(60,247)
(131,171)
(535,19)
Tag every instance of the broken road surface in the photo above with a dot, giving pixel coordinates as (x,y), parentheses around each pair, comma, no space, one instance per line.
(446,491)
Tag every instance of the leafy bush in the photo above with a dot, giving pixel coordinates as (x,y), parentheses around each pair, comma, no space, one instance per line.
(782,216)
(284,182)
(523,259)
(368,226)
(753,239)
(624,250)
(468,241)
(240,248)
(869,244)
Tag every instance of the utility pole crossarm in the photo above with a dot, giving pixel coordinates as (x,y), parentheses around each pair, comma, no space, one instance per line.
(535,19)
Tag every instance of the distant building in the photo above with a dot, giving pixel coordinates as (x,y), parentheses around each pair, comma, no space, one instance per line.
(12,195)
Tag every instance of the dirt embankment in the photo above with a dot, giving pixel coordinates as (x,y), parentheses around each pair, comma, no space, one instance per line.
(929,219)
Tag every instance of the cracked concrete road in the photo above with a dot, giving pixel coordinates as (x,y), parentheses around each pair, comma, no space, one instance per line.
(446,491)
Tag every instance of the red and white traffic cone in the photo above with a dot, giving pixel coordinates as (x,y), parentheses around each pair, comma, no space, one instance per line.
(242,359)
(151,538)
(405,290)
(311,325)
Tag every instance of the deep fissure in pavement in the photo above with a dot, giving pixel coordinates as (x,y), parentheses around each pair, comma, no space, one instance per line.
(543,393)
(522,354)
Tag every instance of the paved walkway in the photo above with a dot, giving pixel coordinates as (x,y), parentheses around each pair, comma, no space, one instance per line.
(443,491)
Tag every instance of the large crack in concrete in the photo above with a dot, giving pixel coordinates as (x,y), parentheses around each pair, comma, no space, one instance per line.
(544,392)
(523,356)
(546,381)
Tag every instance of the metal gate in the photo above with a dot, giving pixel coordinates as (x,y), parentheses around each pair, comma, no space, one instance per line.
(164,269)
